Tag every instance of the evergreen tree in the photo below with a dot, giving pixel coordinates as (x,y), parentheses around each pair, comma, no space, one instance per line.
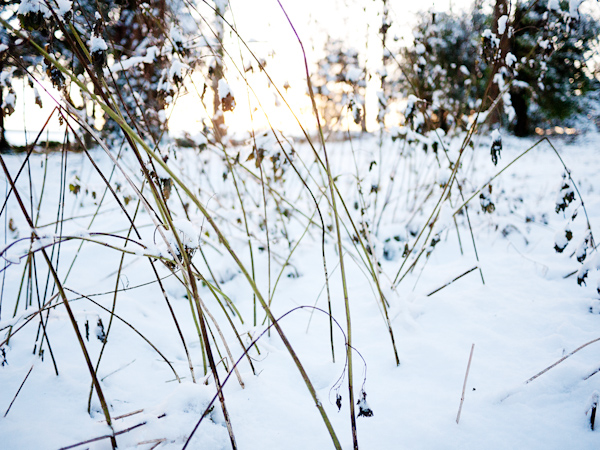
(443,68)
(538,61)
(552,76)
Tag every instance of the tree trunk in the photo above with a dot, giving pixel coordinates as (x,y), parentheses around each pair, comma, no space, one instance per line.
(519,103)
(4,147)
(500,9)
(363,119)
(520,96)
(218,119)
(385,25)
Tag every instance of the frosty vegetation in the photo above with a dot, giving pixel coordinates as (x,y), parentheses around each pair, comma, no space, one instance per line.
(183,290)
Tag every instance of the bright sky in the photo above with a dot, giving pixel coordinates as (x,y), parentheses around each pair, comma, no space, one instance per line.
(263,22)
(263,25)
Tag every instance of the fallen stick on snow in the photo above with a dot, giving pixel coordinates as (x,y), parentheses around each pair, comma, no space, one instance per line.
(462,398)
(107,436)
(452,281)
(122,416)
(561,360)
(554,365)
(19,390)
(592,374)
(157,442)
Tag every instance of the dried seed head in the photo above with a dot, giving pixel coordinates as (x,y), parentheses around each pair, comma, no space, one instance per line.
(565,196)
(98,23)
(100,334)
(38,99)
(166,184)
(562,238)
(226,96)
(490,44)
(581,252)
(496,146)
(485,200)
(363,407)
(98,48)
(228,103)
(8,105)
(582,275)
(55,75)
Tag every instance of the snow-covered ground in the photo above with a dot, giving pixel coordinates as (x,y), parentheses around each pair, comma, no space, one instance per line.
(521,307)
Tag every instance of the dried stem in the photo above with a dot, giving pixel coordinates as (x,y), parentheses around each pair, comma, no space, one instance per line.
(462,397)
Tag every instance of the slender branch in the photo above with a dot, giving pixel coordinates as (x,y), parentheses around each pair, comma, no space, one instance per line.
(450,282)
(462,397)
(67,307)
(561,360)
(331,183)
(18,390)
(100,438)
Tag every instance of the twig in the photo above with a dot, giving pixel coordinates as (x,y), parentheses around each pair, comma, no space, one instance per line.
(115,371)
(592,374)
(336,217)
(107,436)
(122,416)
(462,398)
(19,390)
(65,302)
(570,274)
(561,360)
(450,282)
(157,442)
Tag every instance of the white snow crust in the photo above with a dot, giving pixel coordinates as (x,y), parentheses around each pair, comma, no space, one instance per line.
(97,44)
(528,314)
(223,89)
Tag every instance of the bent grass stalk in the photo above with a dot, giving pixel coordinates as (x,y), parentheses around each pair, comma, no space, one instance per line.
(134,137)
(115,315)
(225,242)
(67,307)
(339,240)
(305,133)
(114,305)
(254,342)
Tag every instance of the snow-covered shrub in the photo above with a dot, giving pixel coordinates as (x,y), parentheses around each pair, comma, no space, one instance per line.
(553,71)
(340,83)
(541,74)
(443,68)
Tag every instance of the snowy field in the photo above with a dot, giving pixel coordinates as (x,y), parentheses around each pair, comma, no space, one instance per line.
(521,305)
